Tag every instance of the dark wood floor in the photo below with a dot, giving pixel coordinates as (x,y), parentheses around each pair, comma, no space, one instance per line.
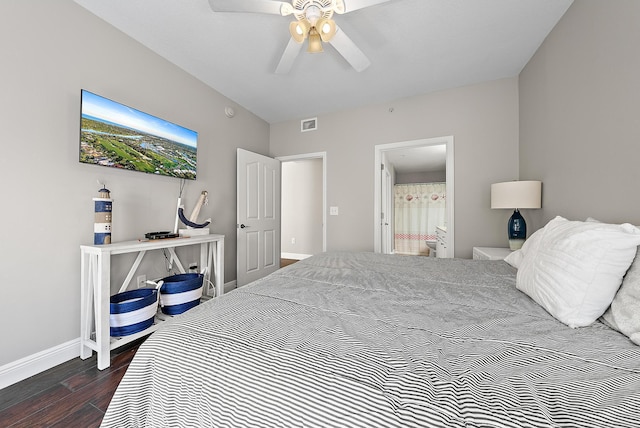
(287,262)
(73,394)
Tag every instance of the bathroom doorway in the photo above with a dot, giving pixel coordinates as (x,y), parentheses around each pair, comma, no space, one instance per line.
(427,160)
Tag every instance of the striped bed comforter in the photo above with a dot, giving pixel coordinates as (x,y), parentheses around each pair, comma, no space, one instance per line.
(368,340)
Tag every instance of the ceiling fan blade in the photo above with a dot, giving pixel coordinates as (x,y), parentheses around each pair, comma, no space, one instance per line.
(288,57)
(351,5)
(345,46)
(257,6)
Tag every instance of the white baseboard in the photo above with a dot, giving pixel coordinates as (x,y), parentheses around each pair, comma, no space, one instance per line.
(31,365)
(231,285)
(295,256)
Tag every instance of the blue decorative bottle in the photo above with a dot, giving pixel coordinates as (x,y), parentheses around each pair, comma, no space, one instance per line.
(517,229)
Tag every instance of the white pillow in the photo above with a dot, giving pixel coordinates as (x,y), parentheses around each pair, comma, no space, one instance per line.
(575,268)
(515,257)
(624,313)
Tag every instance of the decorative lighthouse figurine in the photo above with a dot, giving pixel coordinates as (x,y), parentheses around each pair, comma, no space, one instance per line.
(102,227)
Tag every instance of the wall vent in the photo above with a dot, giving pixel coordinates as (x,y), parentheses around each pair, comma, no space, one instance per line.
(309,124)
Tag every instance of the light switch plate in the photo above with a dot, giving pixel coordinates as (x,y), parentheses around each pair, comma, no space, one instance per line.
(333,210)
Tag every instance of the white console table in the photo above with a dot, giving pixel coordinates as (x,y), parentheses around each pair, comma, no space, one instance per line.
(96,286)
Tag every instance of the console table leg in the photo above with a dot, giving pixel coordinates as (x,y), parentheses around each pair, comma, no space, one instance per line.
(102,293)
(219,266)
(88,270)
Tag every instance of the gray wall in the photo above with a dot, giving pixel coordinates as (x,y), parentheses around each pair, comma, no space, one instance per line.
(51,50)
(579,114)
(482,118)
(301,217)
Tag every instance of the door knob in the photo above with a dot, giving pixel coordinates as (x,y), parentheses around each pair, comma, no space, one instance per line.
(242,226)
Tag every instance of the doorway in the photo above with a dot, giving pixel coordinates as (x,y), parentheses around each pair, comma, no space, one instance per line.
(303,212)
(394,158)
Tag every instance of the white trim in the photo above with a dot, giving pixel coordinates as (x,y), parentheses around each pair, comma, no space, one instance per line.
(39,362)
(323,156)
(377,202)
(295,256)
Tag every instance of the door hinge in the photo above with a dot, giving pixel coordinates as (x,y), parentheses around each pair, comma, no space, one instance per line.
(382,167)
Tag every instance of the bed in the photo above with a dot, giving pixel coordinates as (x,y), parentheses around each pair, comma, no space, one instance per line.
(371,340)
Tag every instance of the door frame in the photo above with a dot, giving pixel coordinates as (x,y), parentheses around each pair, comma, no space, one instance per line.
(308,156)
(386,212)
(380,149)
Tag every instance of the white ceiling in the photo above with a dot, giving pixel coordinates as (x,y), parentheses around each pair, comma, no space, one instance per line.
(429,158)
(415,47)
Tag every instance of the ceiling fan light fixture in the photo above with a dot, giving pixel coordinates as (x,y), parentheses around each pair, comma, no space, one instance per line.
(327,29)
(315,43)
(313,14)
(299,30)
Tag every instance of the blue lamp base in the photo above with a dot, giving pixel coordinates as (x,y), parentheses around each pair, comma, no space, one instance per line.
(517,230)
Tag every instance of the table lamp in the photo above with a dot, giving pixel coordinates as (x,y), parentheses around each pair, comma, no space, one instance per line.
(516,195)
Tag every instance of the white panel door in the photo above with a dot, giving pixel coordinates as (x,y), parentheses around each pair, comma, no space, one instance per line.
(386,221)
(258,218)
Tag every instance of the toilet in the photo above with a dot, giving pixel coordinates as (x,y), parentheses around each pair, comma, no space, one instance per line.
(432,248)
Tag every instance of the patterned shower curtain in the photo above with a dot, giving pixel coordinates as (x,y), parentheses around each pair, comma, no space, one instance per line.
(419,208)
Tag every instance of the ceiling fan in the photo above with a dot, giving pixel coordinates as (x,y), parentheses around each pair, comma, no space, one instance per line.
(313,21)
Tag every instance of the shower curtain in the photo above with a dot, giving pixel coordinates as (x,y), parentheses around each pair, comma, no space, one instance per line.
(419,208)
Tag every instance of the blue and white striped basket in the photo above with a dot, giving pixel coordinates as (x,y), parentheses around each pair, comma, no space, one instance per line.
(180,292)
(132,311)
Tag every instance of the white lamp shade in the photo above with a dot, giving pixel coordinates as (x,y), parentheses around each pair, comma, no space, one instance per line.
(516,194)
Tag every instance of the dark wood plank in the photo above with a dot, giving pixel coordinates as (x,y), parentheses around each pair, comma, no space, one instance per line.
(101,400)
(287,262)
(32,386)
(92,374)
(100,390)
(46,398)
(73,394)
(86,417)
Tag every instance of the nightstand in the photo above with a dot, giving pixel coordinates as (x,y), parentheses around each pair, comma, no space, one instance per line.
(490,253)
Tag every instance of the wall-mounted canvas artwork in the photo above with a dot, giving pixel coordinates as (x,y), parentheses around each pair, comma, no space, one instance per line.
(117,136)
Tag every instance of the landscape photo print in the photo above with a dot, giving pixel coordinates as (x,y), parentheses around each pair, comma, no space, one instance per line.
(117,136)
